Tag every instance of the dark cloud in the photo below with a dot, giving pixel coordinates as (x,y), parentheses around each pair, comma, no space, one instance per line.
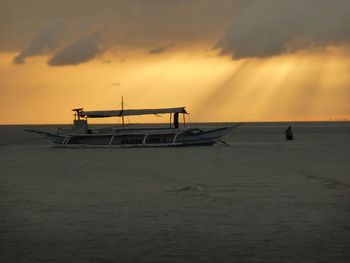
(46,40)
(271,27)
(80,51)
(158,50)
(136,23)
(259,28)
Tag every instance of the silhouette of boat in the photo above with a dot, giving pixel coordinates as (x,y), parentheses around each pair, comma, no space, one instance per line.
(177,134)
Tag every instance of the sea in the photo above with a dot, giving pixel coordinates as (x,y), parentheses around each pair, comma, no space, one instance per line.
(260,199)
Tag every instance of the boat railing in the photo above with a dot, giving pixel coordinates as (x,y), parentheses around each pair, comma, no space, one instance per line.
(144,139)
(67,139)
(175,137)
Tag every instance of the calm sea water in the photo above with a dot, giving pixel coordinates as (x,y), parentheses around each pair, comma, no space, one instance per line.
(263,199)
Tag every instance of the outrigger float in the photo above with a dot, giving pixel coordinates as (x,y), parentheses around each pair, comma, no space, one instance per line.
(177,134)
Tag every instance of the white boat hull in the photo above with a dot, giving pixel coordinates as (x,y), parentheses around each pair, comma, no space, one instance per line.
(127,138)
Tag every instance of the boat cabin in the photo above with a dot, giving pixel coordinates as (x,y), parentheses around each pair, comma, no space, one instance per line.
(80,124)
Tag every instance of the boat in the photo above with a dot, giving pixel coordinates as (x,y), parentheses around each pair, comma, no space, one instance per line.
(175,135)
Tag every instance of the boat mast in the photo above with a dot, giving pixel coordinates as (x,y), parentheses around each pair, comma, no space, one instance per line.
(122,113)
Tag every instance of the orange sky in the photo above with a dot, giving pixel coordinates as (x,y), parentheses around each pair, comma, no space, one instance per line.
(225,60)
(302,86)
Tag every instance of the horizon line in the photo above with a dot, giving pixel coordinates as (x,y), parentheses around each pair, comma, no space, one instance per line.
(188,123)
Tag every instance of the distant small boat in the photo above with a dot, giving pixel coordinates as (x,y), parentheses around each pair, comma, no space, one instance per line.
(81,135)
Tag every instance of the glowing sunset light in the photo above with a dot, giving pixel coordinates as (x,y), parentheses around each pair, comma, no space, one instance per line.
(291,87)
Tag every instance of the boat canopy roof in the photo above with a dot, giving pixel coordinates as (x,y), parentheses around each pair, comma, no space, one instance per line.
(129,112)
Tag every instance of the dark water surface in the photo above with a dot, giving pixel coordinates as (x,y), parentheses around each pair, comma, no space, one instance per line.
(261,200)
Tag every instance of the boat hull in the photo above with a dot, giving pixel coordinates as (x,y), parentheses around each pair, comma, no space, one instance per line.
(124,138)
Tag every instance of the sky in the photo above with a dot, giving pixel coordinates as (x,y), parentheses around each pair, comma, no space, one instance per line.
(225,60)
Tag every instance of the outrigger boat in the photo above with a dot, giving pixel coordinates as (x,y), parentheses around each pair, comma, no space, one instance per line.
(177,134)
